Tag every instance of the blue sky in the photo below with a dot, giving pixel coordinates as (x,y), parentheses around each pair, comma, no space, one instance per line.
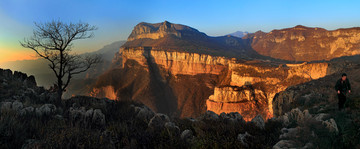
(116,18)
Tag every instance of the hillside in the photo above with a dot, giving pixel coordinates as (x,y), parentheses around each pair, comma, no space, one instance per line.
(301,43)
(29,118)
(304,106)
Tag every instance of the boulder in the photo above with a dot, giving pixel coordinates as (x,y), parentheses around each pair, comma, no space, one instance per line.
(242,138)
(77,115)
(259,121)
(144,113)
(45,110)
(30,93)
(59,117)
(17,105)
(331,125)
(285,144)
(295,115)
(43,97)
(232,117)
(30,81)
(6,106)
(172,128)
(322,116)
(7,73)
(289,133)
(20,76)
(98,118)
(53,97)
(158,121)
(308,146)
(210,116)
(27,110)
(187,136)
(89,115)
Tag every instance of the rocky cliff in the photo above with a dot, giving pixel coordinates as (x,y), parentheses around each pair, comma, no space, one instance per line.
(252,87)
(170,70)
(162,79)
(178,37)
(160,30)
(183,81)
(302,43)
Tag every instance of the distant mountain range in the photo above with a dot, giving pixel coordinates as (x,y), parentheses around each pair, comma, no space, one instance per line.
(180,37)
(45,77)
(297,43)
(301,43)
(239,34)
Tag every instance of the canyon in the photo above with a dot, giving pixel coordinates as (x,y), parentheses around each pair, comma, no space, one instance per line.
(178,70)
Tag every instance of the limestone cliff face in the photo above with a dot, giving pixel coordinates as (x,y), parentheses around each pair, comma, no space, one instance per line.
(162,79)
(174,62)
(302,43)
(253,87)
(245,87)
(178,70)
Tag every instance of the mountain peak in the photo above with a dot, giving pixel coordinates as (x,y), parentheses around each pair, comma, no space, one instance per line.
(145,30)
(166,22)
(300,26)
(239,34)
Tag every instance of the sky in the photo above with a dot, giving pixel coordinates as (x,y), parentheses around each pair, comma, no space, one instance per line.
(115,19)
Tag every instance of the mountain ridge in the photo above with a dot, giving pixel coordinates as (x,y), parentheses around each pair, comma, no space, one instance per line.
(238,34)
(301,43)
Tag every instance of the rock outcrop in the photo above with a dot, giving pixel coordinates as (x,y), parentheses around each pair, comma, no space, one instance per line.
(309,111)
(259,121)
(236,86)
(160,30)
(311,95)
(302,43)
(242,138)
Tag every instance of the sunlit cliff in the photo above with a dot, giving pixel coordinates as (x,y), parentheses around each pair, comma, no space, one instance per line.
(154,68)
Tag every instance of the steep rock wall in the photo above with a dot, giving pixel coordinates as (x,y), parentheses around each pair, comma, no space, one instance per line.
(302,43)
(192,83)
(175,62)
(254,87)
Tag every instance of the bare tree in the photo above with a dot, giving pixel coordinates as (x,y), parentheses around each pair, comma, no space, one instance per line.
(53,42)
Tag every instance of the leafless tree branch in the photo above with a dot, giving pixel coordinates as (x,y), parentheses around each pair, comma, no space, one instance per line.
(53,42)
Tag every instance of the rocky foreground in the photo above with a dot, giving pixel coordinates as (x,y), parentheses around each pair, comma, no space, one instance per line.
(305,118)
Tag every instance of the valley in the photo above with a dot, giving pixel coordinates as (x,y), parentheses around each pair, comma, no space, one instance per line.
(154,68)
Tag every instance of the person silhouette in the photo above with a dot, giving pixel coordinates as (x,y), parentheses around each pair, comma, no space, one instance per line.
(342,87)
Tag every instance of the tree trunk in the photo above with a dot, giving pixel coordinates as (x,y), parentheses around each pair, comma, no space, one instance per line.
(60,83)
(59,91)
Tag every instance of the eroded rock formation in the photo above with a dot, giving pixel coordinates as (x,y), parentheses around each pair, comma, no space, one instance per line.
(302,43)
(176,69)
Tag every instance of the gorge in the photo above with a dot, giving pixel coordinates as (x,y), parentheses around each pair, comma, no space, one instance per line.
(178,70)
